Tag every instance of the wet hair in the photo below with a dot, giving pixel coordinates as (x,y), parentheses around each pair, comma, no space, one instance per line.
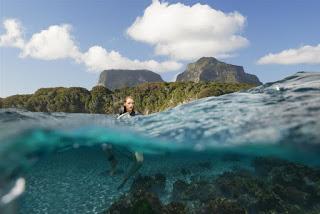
(127,97)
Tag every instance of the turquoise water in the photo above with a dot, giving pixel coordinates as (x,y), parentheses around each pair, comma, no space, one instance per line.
(54,162)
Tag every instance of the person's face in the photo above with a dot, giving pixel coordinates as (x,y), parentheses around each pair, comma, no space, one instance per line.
(129,104)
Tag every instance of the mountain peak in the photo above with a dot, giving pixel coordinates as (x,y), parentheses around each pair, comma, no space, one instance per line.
(119,78)
(211,69)
(207,59)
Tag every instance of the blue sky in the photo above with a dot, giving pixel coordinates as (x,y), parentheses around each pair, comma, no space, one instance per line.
(260,28)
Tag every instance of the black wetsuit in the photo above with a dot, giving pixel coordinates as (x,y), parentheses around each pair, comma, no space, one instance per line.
(123,110)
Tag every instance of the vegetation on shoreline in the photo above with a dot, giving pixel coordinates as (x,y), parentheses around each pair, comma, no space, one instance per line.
(149,97)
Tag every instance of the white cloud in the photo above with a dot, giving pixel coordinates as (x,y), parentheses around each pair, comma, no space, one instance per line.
(98,58)
(13,34)
(303,55)
(56,42)
(189,32)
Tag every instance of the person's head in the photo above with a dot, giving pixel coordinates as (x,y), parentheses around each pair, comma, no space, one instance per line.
(129,104)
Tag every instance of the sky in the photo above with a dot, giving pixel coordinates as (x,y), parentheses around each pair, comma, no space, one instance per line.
(69,42)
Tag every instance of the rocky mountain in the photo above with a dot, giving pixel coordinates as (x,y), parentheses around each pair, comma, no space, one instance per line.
(211,69)
(118,78)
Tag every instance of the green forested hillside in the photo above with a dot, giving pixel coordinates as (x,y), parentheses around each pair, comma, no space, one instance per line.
(149,97)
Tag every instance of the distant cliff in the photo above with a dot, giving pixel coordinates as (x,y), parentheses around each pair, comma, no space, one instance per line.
(148,97)
(117,78)
(211,69)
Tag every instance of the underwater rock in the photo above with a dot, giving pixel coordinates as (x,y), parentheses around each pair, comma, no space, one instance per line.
(155,184)
(299,176)
(251,191)
(184,171)
(135,203)
(292,195)
(178,190)
(234,183)
(175,208)
(141,202)
(197,190)
(222,206)
(276,186)
(263,165)
(205,165)
(294,183)
(240,191)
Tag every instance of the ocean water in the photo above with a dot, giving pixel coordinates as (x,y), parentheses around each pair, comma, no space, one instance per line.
(54,162)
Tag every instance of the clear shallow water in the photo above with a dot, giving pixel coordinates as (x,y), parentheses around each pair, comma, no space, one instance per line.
(59,155)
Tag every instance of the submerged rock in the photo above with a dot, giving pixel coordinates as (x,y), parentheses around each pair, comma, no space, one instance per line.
(205,165)
(249,190)
(222,206)
(141,202)
(276,186)
(197,190)
(155,184)
(137,202)
(175,208)
(294,183)
(185,172)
